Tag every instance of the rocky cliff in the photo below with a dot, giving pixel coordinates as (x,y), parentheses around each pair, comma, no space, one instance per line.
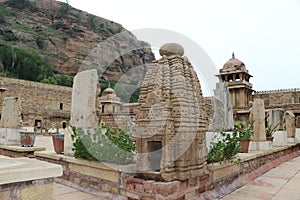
(64,36)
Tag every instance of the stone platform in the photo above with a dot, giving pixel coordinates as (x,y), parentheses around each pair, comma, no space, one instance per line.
(27,179)
(19,151)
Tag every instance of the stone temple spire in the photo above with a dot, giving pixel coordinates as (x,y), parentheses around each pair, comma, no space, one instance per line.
(171,118)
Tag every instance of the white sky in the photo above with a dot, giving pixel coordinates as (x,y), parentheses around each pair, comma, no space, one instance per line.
(264,34)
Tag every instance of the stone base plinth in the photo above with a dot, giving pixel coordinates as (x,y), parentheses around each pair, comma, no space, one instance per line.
(18,151)
(291,140)
(260,146)
(27,179)
(297,135)
(280,138)
(10,136)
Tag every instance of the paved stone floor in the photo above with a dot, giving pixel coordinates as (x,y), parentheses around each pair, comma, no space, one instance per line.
(280,183)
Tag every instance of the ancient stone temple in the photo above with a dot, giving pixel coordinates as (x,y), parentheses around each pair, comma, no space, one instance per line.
(171,118)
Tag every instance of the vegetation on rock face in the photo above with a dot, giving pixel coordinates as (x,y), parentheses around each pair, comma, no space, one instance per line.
(103,144)
(18,63)
(21,64)
(22,4)
(62,36)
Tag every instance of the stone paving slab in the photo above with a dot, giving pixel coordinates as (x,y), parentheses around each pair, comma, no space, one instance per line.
(282,182)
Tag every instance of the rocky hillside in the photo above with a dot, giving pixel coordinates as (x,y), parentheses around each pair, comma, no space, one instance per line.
(63,36)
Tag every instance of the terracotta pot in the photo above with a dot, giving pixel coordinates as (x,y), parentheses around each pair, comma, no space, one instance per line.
(58,143)
(270,139)
(244,144)
(27,139)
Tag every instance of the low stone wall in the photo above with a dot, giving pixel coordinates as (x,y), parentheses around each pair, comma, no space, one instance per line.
(27,179)
(218,179)
(18,151)
(29,190)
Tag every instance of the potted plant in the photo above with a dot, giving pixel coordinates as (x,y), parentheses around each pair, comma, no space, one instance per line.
(244,135)
(58,143)
(270,131)
(27,139)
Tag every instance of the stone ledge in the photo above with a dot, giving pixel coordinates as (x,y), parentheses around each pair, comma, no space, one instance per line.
(14,170)
(22,149)
(100,165)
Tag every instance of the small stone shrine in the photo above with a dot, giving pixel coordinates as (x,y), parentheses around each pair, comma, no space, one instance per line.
(171,118)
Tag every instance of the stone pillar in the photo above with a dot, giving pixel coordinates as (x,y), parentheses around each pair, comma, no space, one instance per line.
(11,121)
(84,105)
(257,116)
(84,98)
(289,125)
(223,111)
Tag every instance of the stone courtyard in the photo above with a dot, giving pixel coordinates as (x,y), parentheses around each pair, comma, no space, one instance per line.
(172,127)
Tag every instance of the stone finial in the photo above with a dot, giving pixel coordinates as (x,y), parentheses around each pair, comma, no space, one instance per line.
(233,55)
(170,49)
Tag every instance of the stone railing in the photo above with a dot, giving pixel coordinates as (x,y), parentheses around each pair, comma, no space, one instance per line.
(277,91)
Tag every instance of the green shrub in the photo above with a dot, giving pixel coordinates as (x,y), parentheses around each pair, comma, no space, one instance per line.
(64,9)
(40,42)
(242,130)
(10,37)
(21,4)
(225,148)
(23,64)
(113,146)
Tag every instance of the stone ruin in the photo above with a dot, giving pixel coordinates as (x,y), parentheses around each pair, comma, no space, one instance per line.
(289,125)
(257,117)
(275,118)
(171,118)
(84,105)
(223,111)
(11,121)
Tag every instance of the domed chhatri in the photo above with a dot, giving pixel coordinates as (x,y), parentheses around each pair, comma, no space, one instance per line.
(108,90)
(170,49)
(233,64)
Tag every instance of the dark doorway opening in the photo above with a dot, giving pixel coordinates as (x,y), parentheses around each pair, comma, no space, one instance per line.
(156,155)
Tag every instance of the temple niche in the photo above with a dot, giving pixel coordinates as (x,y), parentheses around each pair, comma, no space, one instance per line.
(171,118)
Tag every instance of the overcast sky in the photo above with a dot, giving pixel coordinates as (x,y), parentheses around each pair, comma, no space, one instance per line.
(264,34)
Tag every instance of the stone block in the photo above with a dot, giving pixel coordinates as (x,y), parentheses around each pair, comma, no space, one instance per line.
(68,143)
(165,189)
(14,170)
(37,192)
(260,146)
(280,138)
(10,136)
(11,113)
(291,140)
(297,135)
(84,96)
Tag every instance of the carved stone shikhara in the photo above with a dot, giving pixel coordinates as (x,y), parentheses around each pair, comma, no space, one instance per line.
(171,113)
